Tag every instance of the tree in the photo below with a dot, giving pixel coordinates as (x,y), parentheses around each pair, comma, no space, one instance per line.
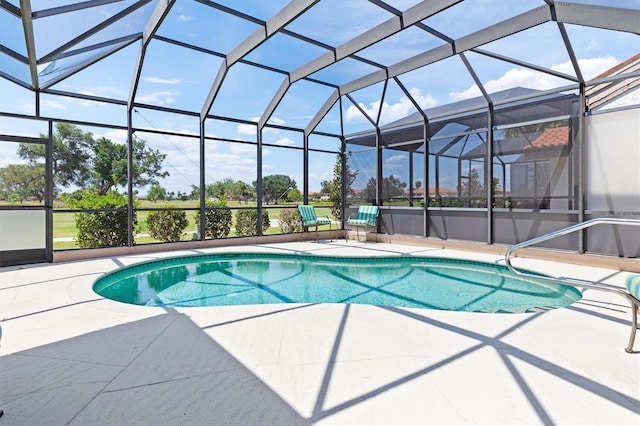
(392,187)
(294,196)
(110,164)
(325,187)
(156,192)
(514,132)
(71,154)
(79,159)
(147,164)
(195,193)
(241,191)
(473,187)
(334,187)
(473,190)
(19,182)
(210,190)
(371,190)
(274,187)
(220,189)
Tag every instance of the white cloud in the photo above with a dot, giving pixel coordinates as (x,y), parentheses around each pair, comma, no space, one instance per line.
(53,104)
(10,155)
(189,132)
(396,159)
(231,165)
(355,115)
(396,162)
(390,112)
(425,101)
(319,177)
(62,103)
(250,129)
(277,121)
(85,103)
(185,18)
(27,107)
(159,80)
(247,129)
(285,142)
(116,135)
(523,77)
(106,91)
(242,148)
(594,66)
(158,98)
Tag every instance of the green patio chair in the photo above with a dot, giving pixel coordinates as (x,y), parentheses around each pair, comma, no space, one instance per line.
(367,217)
(309,218)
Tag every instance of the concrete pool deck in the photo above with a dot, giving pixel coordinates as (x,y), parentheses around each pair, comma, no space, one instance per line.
(68,356)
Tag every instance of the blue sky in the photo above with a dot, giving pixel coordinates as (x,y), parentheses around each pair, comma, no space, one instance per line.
(180,78)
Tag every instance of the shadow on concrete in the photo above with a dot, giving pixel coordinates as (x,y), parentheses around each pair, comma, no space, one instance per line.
(159,370)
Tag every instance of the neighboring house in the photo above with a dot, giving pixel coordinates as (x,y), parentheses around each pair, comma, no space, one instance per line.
(318,196)
(418,194)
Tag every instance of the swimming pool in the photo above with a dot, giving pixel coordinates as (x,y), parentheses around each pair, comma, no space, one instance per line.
(407,281)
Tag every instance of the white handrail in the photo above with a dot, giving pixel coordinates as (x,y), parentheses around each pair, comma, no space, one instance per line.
(635,303)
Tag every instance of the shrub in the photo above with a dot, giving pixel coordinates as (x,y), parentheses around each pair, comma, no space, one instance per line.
(246,222)
(290,221)
(167,225)
(218,219)
(105,228)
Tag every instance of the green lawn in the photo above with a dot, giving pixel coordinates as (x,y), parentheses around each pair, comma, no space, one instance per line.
(64,225)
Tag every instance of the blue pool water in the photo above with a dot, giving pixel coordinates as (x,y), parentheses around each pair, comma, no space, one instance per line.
(249,278)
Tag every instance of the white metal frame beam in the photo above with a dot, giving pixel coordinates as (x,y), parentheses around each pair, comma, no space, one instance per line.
(27,24)
(608,18)
(87,63)
(71,8)
(104,24)
(395,24)
(525,64)
(502,29)
(13,10)
(273,25)
(157,17)
(391,26)
(324,110)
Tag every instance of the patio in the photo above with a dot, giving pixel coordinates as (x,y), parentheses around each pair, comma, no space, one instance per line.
(69,356)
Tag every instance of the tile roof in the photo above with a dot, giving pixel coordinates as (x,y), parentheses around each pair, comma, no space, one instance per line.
(557,136)
(432,190)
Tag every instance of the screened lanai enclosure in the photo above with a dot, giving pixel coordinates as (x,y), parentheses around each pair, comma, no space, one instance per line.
(130,123)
